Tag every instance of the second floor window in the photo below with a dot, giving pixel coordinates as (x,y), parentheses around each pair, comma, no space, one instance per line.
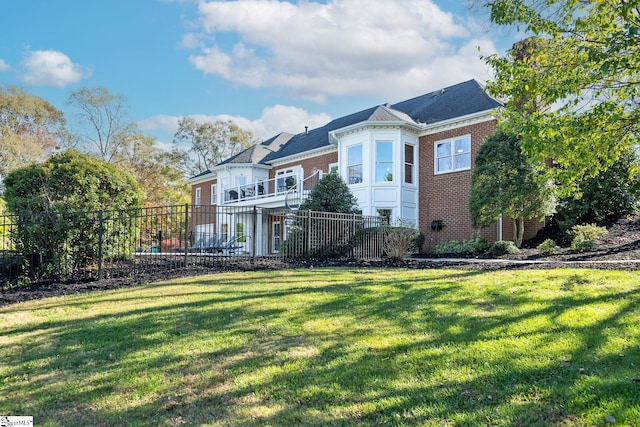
(384,161)
(354,164)
(196,196)
(453,154)
(214,194)
(409,163)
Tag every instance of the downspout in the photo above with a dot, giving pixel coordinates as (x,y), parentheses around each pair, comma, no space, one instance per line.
(499,236)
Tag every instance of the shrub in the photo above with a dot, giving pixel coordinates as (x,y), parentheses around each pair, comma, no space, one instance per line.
(548,247)
(612,193)
(583,237)
(503,247)
(400,240)
(587,232)
(72,209)
(476,244)
(583,245)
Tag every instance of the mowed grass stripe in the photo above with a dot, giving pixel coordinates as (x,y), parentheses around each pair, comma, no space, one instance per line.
(331,347)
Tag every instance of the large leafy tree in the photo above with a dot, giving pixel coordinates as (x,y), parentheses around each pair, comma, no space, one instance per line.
(505,182)
(105,129)
(30,129)
(582,60)
(103,124)
(210,142)
(156,170)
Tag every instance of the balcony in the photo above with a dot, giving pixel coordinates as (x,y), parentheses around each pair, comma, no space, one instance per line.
(283,187)
(260,190)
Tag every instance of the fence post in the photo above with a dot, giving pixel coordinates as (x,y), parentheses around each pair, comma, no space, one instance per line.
(353,237)
(186,233)
(308,246)
(100,232)
(255,230)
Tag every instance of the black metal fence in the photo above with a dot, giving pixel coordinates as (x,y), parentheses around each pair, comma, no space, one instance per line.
(84,246)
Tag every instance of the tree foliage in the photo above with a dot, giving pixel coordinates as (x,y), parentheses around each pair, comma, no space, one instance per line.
(105,129)
(583,62)
(71,181)
(56,203)
(504,182)
(30,129)
(612,194)
(331,194)
(156,170)
(104,126)
(210,142)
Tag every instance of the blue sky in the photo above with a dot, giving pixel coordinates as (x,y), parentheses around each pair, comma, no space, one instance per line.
(270,65)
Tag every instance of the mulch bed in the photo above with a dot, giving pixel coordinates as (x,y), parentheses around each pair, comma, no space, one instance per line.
(618,250)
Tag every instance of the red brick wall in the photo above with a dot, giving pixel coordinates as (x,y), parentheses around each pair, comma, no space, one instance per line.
(320,162)
(205,192)
(445,197)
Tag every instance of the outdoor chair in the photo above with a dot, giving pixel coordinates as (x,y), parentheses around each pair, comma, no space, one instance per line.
(202,244)
(214,243)
(230,247)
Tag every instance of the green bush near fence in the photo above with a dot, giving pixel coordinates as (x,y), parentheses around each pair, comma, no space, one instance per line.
(65,211)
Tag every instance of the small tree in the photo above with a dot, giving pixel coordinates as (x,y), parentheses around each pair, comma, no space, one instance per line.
(55,200)
(324,238)
(505,182)
(331,194)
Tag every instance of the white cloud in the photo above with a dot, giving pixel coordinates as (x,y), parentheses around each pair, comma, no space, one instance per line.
(276,119)
(3,65)
(51,68)
(394,48)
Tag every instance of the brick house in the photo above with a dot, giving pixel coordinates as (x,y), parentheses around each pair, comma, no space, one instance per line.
(412,160)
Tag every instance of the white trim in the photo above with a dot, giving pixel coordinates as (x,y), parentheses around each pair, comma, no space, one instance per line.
(304,155)
(414,165)
(197,196)
(335,135)
(457,122)
(361,164)
(202,178)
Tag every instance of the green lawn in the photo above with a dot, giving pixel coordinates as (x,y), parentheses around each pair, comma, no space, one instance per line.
(332,347)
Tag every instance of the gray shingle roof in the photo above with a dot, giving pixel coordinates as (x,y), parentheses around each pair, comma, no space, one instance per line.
(454,101)
(257,152)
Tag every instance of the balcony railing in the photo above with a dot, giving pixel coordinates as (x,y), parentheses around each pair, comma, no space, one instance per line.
(278,186)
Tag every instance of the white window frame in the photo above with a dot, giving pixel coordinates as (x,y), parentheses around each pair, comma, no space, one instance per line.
(452,155)
(384,162)
(282,175)
(412,164)
(214,194)
(197,197)
(333,167)
(361,164)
